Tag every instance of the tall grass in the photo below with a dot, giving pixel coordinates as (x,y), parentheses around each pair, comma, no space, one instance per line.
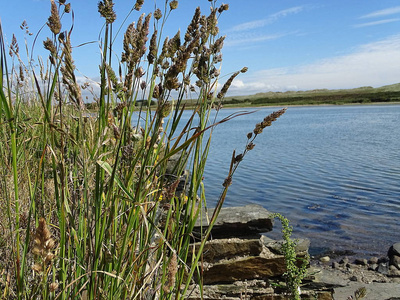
(99,204)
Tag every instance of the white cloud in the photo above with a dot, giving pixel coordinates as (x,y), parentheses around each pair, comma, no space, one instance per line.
(372,64)
(250,39)
(377,23)
(383,12)
(270,19)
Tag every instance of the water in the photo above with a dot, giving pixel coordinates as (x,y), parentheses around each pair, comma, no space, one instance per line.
(334,171)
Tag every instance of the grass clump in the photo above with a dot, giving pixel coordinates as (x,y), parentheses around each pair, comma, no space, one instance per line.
(101,203)
(97,204)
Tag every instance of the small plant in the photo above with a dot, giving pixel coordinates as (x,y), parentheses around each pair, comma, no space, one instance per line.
(294,274)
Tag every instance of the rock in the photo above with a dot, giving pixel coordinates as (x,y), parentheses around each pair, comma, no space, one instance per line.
(394,250)
(353,278)
(395,261)
(327,278)
(375,291)
(325,259)
(229,248)
(361,262)
(238,222)
(373,267)
(344,261)
(373,260)
(335,265)
(302,245)
(394,272)
(383,268)
(245,269)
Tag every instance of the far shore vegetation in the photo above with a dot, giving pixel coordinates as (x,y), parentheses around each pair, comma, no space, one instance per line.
(388,94)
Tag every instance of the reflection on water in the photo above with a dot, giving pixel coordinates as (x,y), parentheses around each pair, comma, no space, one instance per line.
(333,171)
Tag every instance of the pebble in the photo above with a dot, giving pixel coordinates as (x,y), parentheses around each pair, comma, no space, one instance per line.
(373,267)
(325,259)
(373,260)
(353,278)
(344,261)
(335,265)
(361,262)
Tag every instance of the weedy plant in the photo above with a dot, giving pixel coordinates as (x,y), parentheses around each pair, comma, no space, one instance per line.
(91,206)
(295,273)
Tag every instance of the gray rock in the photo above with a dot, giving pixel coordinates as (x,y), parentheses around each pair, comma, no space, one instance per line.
(302,245)
(395,261)
(361,262)
(344,261)
(373,267)
(238,221)
(229,248)
(375,291)
(383,268)
(394,249)
(335,265)
(373,260)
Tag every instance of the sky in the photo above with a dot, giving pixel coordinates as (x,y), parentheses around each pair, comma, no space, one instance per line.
(286,44)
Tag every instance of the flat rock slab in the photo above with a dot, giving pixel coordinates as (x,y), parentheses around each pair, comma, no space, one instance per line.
(375,291)
(245,269)
(240,221)
(216,250)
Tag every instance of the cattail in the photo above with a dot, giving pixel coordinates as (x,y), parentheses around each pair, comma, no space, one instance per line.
(54,22)
(106,10)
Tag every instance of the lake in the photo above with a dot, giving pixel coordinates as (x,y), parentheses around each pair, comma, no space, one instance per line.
(333,171)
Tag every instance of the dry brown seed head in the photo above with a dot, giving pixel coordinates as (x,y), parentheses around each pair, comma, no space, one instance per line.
(173,4)
(249,135)
(67,8)
(250,146)
(244,69)
(54,19)
(238,158)
(53,287)
(138,4)
(157,14)
(223,7)
(106,10)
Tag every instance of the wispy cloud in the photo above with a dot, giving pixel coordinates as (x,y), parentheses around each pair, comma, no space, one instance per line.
(382,13)
(251,39)
(270,19)
(377,23)
(369,65)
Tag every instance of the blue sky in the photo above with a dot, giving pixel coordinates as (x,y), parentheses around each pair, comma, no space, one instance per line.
(286,44)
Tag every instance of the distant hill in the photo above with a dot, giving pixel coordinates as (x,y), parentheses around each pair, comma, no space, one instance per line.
(366,94)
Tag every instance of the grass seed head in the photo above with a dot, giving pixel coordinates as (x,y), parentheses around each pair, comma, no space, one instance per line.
(54,22)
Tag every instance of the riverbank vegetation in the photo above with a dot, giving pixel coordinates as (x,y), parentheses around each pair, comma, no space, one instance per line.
(101,204)
(363,95)
(91,206)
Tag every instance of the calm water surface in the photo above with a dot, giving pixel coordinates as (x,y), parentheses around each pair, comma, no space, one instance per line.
(334,171)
